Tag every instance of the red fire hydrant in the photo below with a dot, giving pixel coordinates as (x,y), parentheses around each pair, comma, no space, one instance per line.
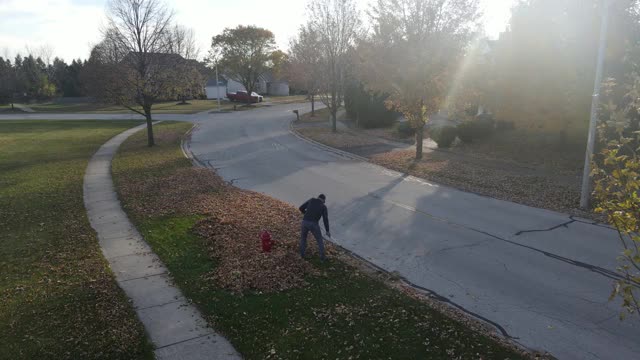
(267,242)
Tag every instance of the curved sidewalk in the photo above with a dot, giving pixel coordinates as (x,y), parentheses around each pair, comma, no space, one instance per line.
(175,327)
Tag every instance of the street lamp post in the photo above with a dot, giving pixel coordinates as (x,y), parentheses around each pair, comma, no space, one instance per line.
(595,101)
(217,86)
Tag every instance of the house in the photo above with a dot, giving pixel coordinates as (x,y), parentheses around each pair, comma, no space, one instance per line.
(233,86)
(266,84)
(271,85)
(213,90)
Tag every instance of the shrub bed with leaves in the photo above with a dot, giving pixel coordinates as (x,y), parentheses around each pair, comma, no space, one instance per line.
(444,136)
(275,306)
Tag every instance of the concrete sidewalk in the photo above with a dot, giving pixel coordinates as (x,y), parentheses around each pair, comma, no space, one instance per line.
(175,327)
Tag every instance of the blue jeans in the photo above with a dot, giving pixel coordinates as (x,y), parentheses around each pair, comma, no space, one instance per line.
(315,230)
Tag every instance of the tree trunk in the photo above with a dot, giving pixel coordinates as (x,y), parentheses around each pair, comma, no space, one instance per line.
(334,111)
(147,115)
(334,128)
(420,130)
(313,106)
(419,141)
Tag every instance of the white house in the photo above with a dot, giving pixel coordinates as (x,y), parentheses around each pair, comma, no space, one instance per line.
(265,85)
(274,86)
(213,90)
(278,88)
(233,86)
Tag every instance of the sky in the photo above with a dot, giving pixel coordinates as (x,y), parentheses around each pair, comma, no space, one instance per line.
(69,28)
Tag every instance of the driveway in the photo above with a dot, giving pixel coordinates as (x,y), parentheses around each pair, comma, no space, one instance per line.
(539,277)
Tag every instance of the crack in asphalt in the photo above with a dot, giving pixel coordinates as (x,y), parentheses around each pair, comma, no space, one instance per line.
(596,269)
(565,225)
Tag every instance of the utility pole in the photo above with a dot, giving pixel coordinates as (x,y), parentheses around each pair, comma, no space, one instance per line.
(217,86)
(595,101)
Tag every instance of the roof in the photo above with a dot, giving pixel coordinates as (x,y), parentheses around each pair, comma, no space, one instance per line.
(221,81)
(267,76)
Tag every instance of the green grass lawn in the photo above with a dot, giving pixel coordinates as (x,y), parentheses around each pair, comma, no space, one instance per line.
(341,313)
(168,107)
(76,108)
(58,299)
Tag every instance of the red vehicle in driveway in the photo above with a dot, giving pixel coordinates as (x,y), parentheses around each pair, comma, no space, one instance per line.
(243,96)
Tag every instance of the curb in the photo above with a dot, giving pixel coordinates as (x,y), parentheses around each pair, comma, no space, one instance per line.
(186,148)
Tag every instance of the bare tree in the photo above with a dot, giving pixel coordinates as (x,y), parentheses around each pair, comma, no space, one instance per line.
(183,42)
(44,52)
(304,70)
(414,53)
(135,63)
(337,24)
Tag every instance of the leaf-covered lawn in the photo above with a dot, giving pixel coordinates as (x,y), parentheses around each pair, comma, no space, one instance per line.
(319,116)
(58,300)
(199,225)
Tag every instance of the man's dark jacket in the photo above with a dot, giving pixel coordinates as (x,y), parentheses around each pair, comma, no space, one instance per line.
(313,210)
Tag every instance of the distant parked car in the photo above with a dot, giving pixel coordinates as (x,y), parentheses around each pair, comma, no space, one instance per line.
(243,96)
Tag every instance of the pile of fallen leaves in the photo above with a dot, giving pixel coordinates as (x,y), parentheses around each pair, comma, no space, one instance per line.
(234,220)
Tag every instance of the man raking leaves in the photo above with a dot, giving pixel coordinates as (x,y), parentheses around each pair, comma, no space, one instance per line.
(313,210)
